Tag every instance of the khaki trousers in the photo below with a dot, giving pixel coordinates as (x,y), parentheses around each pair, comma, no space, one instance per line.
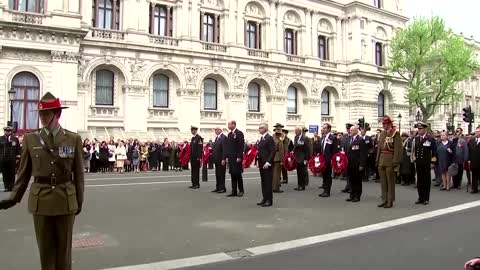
(277,175)
(387,180)
(54,240)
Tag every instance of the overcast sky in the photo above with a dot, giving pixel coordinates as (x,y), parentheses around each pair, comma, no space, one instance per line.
(459,15)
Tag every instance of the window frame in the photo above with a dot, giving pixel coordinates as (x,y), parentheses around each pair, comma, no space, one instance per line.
(291,40)
(215,94)
(38,8)
(25,100)
(379,54)
(168,19)
(377,3)
(295,111)
(112,88)
(258,96)
(323,48)
(251,31)
(327,103)
(115,16)
(205,25)
(161,90)
(381,105)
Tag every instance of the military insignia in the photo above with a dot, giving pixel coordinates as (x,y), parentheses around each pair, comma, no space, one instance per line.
(14,143)
(329,141)
(427,143)
(355,147)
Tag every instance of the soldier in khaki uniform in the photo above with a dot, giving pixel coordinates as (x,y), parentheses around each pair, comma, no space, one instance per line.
(53,156)
(288,146)
(389,155)
(280,151)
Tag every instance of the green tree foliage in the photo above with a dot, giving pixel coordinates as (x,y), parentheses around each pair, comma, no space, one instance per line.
(432,60)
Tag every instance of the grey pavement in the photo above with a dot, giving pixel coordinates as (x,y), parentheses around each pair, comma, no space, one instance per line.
(442,243)
(141,218)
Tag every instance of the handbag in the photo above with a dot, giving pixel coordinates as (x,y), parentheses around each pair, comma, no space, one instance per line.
(453,169)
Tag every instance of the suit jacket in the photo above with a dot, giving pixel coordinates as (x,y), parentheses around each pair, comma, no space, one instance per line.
(461,150)
(357,153)
(234,145)
(302,148)
(266,150)
(217,148)
(474,154)
(36,161)
(425,150)
(196,147)
(9,149)
(329,147)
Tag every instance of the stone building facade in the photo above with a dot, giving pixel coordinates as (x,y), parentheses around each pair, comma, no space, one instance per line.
(152,68)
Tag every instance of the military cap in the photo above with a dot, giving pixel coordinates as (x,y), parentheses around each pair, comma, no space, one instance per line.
(348,125)
(387,120)
(49,102)
(8,128)
(285,131)
(421,125)
(193,128)
(278,125)
(304,129)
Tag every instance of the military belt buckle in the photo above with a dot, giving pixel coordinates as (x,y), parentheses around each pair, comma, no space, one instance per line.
(53,181)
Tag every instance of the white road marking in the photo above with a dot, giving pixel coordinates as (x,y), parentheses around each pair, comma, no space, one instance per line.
(268,249)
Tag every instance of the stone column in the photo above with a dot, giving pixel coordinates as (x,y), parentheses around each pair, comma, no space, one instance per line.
(135,107)
(277,109)
(236,104)
(308,34)
(312,111)
(190,110)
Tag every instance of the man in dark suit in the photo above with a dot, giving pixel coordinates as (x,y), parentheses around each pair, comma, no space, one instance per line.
(425,159)
(217,158)
(369,144)
(329,146)
(302,151)
(288,146)
(233,155)
(266,154)
(474,159)
(344,146)
(357,153)
(9,154)
(196,151)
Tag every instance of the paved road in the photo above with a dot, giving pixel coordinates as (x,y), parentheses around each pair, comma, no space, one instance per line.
(141,218)
(442,243)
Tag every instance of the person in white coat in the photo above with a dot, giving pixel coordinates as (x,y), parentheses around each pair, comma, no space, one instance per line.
(121,153)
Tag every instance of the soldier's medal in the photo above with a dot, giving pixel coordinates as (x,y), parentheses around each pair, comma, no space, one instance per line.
(14,143)
(427,143)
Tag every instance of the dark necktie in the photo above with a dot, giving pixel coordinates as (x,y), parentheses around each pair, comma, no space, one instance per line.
(50,139)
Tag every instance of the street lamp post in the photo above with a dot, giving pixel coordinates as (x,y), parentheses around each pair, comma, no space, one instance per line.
(11,96)
(399,122)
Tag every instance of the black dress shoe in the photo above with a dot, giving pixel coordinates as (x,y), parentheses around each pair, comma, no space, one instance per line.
(356,200)
(240,194)
(232,195)
(215,190)
(382,204)
(349,199)
(324,195)
(345,190)
(322,187)
(191,187)
(261,203)
(284,182)
(267,204)
(426,202)
(474,191)
(278,191)
(299,188)
(388,205)
(418,202)
(196,187)
(221,191)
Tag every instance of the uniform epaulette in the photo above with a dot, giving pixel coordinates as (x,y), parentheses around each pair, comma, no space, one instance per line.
(33,131)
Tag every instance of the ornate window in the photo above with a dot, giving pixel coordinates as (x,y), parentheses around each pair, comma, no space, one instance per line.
(290,41)
(379,54)
(253,97)
(292,100)
(160,91)
(325,102)
(27,94)
(253,35)
(106,14)
(104,87)
(36,6)
(381,105)
(210,94)
(161,19)
(210,27)
(323,47)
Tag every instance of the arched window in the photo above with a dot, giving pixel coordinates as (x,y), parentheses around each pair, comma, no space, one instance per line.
(325,102)
(323,49)
(27,94)
(253,97)
(381,105)
(379,54)
(104,87)
(290,41)
(210,94)
(106,14)
(36,6)
(160,91)
(292,100)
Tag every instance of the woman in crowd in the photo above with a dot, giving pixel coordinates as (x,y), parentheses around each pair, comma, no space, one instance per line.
(136,156)
(121,154)
(166,150)
(152,156)
(176,154)
(143,157)
(111,155)
(103,157)
(405,170)
(445,151)
(87,153)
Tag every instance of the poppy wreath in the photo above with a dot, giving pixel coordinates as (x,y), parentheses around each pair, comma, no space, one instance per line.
(289,162)
(206,154)
(339,163)
(317,164)
(185,155)
(249,157)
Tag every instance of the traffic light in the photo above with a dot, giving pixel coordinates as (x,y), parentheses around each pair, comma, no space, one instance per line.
(468,114)
(361,122)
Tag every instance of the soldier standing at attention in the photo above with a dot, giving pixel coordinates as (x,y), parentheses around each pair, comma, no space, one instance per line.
(301,149)
(280,152)
(9,153)
(233,155)
(288,146)
(388,159)
(357,153)
(53,156)
(425,158)
(196,151)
